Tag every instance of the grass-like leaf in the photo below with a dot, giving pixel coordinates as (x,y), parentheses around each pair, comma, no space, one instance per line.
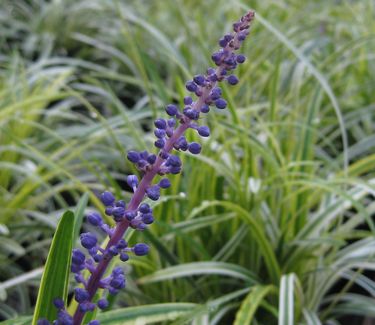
(55,279)
(145,314)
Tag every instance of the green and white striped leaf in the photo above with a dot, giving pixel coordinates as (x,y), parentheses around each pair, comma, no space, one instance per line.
(200,268)
(147,314)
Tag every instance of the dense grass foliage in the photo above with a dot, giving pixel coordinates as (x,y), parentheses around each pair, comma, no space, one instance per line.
(272,223)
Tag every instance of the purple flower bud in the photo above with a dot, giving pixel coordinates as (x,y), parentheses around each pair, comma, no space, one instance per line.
(143,155)
(141,249)
(203,131)
(124,257)
(174,161)
(195,148)
(133,156)
(103,303)
(174,169)
(75,268)
(160,133)
(217,57)
(78,257)
(64,318)
(205,108)
(240,58)
(132,181)
(232,79)
(223,42)
(164,183)
(199,79)
(94,218)
(118,213)
(88,240)
(108,211)
(160,143)
(107,197)
(215,93)
(144,208)
(118,282)
(43,321)
(148,218)
(191,113)
(113,251)
(220,103)
(242,35)
(94,322)
(171,122)
(130,215)
(86,306)
(151,159)
(122,244)
(120,203)
(81,295)
(191,86)
(97,258)
(153,192)
(59,303)
(188,100)
(171,109)
(211,71)
(160,123)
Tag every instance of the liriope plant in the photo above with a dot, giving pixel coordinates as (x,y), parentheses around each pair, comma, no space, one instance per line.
(90,267)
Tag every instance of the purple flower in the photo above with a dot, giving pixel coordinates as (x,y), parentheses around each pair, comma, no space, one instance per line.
(135,213)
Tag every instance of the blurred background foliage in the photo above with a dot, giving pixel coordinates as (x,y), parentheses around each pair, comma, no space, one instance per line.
(272,223)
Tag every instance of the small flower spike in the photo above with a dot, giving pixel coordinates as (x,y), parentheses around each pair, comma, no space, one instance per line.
(136,214)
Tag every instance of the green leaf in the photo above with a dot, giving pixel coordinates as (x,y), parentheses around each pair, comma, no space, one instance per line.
(54,283)
(200,268)
(286,300)
(145,314)
(250,304)
(79,213)
(17,321)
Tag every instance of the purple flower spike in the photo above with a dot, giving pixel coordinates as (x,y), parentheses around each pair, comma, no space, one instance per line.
(137,214)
